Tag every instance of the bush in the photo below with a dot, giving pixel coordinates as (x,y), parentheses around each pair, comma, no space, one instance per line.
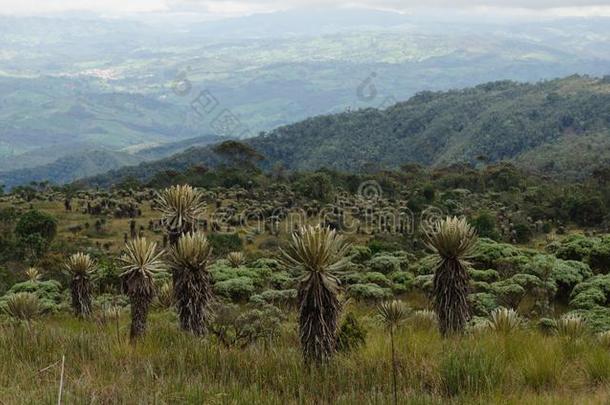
(574,247)
(48,292)
(523,233)
(591,293)
(369,292)
(352,335)
(376,278)
(482,303)
(384,264)
(485,225)
(599,256)
(402,281)
(275,297)
(488,276)
(238,289)
(236,329)
(36,223)
(224,243)
(360,254)
(488,253)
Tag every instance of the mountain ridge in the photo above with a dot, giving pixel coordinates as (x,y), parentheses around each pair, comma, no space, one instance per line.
(498,121)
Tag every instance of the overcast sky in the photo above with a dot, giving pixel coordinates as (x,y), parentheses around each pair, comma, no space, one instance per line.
(229,8)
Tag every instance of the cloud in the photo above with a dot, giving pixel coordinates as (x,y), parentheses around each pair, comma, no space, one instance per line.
(242,7)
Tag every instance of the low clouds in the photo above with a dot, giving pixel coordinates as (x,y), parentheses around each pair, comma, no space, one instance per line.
(242,7)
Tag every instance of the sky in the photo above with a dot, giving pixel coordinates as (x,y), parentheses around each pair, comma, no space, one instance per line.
(234,8)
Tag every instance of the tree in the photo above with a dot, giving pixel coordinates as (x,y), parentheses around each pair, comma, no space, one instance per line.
(239,154)
(181,208)
(392,314)
(317,186)
(141,261)
(452,240)
(36,222)
(81,267)
(485,225)
(192,282)
(317,253)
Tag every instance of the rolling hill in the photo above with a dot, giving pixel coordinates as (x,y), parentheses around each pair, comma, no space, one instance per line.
(535,125)
(86,161)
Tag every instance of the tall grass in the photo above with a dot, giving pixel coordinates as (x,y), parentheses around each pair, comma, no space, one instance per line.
(169,366)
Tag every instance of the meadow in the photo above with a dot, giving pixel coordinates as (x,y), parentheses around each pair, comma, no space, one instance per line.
(224,316)
(169,366)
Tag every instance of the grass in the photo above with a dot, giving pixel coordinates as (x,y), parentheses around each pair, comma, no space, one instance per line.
(169,366)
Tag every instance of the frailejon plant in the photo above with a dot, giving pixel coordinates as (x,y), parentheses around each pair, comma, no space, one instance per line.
(80,266)
(23,306)
(317,253)
(236,259)
(181,207)
(392,314)
(141,261)
(504,320)
(571,326)
(193,294)
(452,240)
(33,274)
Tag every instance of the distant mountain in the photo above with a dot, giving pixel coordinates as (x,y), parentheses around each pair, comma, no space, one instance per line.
(80,83)
(86,162)
(539,126)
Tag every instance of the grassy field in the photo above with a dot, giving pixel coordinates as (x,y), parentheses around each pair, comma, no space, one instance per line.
(169,367)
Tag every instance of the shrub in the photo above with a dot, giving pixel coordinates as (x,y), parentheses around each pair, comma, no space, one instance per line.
(224,243)
(574,247)
(384,264)
(597,319)
(402,281)
(488,276)
(240,288)
(236,329)
(368,292)
(488,253)
(424,283)
(48,292)
(591,293)
(522,232)
(376,278)
(599,256)
(482,303)
(352,334)
(427,265)
(485,224)
(275,297)
(360,254)
(508,293)
(36,223)
(281,280)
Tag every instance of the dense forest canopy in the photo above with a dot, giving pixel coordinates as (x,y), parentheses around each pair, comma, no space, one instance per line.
(537,126)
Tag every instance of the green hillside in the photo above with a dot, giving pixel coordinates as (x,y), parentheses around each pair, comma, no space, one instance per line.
(536,125)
